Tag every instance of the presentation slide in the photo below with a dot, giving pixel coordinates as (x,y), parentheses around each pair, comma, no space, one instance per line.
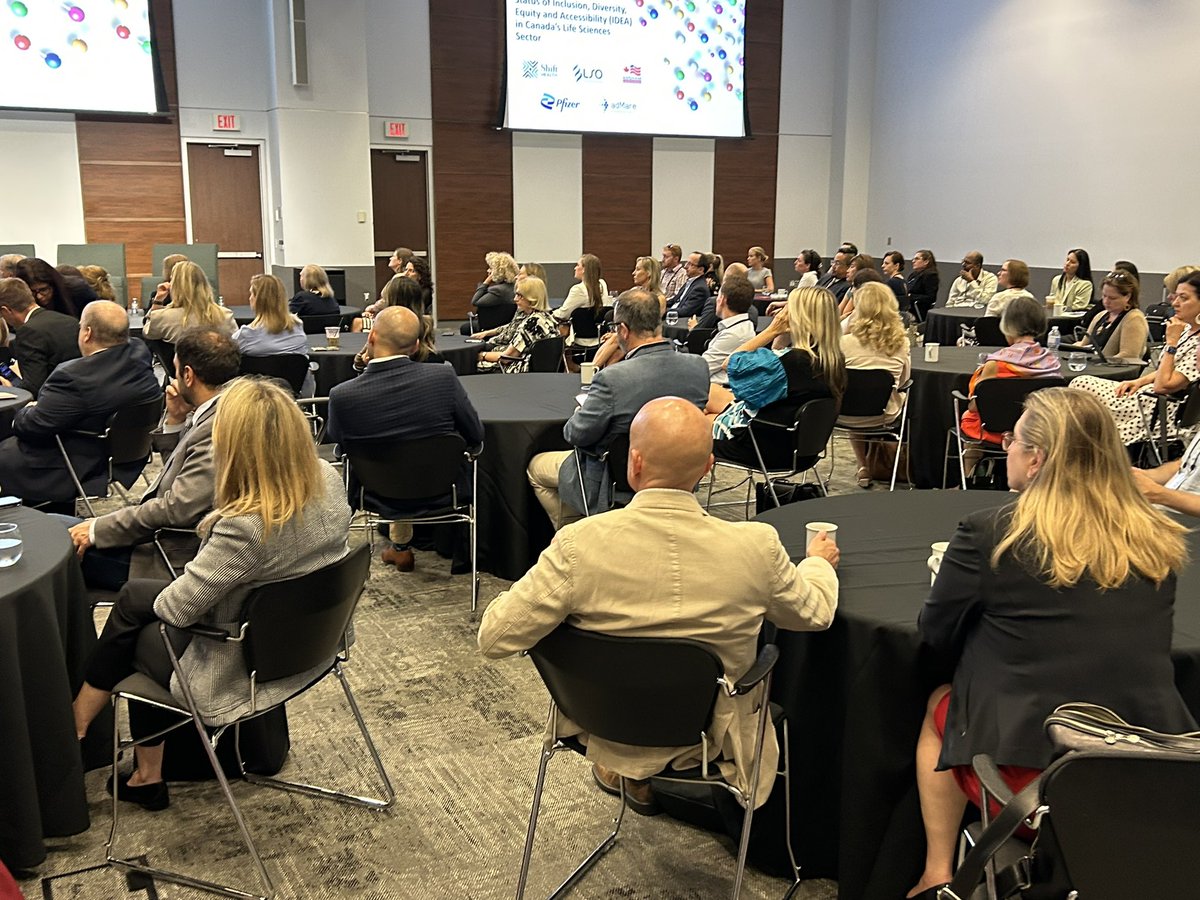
(662,67)
(91,55)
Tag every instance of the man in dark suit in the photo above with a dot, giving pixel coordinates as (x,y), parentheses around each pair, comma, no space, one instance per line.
(690,298)
(650,369)
(79,395)
(42,338)
(835,279)
(397,397)
(117,546)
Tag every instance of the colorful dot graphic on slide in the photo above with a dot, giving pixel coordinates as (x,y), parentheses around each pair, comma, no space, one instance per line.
(76,14)
(697,28)
(122,32)
(21,41)
(52,60)
(18,9)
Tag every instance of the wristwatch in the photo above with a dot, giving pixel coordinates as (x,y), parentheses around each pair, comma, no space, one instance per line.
(1171,348)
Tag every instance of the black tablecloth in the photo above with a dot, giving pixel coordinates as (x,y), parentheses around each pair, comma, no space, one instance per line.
(336,366)
(943,324)
(855,695)
(931,409)
(46,634)
(522,415)
(12,398)
(244,315)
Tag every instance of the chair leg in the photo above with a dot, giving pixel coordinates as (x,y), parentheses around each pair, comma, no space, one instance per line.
(312,790)
(787,811)
(474,560)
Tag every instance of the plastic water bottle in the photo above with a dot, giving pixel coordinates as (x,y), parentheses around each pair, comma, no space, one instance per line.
(1054,338)
(135,314)
(220,300)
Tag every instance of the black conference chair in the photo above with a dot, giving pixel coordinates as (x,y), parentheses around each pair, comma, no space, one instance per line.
(414,482)
(291,368)
(645,692)
(808,436)
(615,459)
(318,324)
(546,355)
(999,402)
(287,628)
(585,325)
(988,334)
(485,318)
(868,392)
(164,352)
(1173,416)
(698,338)
(127,447)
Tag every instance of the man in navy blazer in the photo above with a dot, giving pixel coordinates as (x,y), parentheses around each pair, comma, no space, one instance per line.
(691,297)
(651,369)
(79,395)
(42,338)
(397,397)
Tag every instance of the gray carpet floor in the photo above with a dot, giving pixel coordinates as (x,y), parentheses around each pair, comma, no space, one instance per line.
(459,736)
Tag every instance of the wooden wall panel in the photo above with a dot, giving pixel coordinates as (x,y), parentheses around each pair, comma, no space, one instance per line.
(617,182)
(744,216)
(130,171)
(472,162)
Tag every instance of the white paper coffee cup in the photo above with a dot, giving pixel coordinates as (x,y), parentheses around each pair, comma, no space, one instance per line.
(815,528)
(586,372)
(937,551)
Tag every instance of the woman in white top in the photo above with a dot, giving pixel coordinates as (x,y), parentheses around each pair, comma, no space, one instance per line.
(808,267)
(589,291)
(1012,279)
(192,303)
(1072,290)
(759,275)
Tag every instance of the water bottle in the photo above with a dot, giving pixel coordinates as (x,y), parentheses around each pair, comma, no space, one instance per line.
(1054,338)
(220,300)
(135,314)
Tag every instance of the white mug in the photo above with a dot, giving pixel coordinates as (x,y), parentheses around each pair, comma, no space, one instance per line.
(938,550)
(931,352)
(587,371)
(815,528)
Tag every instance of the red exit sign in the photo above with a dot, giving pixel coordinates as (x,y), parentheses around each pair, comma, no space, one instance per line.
(395,129)
(226,122)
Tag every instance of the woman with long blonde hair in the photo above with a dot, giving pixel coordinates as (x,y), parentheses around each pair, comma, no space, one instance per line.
(275,331)
(97,279)
(192,303)
(278,512)
(1064,595)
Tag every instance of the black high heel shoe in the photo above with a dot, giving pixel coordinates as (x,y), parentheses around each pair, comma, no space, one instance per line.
(154,797)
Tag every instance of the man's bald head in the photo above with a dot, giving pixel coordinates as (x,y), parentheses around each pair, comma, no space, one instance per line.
(670,445)
(108,324)
(396,329)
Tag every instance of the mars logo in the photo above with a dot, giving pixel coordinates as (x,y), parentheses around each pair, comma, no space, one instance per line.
(582,74)
(549,101)
(632,75)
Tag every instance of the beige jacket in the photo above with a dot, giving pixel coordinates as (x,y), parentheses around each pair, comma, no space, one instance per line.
(662,567)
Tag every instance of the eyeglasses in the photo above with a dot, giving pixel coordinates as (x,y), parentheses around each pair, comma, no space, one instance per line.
(1009,438)
(41,290)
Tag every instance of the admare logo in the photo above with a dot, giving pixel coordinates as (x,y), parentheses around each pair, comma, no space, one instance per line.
(549,101)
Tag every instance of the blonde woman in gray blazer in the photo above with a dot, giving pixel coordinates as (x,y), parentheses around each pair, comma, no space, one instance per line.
(270,522)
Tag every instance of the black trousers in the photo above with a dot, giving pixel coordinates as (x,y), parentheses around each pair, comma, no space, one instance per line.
(130,642)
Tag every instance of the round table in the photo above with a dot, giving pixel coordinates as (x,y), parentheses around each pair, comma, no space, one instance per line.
(12,399)
(522,415)
(336,366)
(931,408)
(943,324)
(244,315)
(855,695)
(46,636)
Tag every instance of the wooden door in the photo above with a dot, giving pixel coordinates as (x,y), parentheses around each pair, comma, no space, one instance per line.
(400,202)
(226,200)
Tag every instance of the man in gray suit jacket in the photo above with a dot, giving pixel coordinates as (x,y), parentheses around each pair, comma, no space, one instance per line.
(118,546)
(650,369)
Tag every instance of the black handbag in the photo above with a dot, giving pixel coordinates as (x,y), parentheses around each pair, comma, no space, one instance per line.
(786,491)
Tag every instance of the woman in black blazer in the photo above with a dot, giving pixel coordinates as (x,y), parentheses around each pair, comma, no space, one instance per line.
(1065,595)
(922,283)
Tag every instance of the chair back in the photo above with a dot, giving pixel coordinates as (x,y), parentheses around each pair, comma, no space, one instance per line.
(164,352)
(618,462)
(298,624)
(203,255)
(987,332)
(1189,409)
(585,323)
(698,338)
(129,431)
(1125,824)
(1000,401)
(318,324)
(494,316)
(868,392)
(289,367)
(407,469)
(645,692)
(546,355)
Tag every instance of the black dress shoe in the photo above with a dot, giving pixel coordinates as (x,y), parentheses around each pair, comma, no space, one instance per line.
(153,797)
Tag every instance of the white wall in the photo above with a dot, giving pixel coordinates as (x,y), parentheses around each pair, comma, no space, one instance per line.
(682,199)
(1025,128)
(43,201)
(547,182)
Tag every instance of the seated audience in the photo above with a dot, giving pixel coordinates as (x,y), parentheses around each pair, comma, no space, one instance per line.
(1065,595)
(495,292)
(650,369)
(758,274)
(922,283)
(162,293)
(773,386)
(974,286)
(399,399)
(857,280)
(118,545)
(673,273)
(42,338)
(1174,484)
(537,270)
(79,395)
(270,523)
(876,340)
(79,290)
(836,280)
(707,317)
(97,279)
(399,291)
(399,259)
(315,297)
(1012,281)
(1022,321)
(8,264)
(808,266)
(509,347)
(646,275)
(598,573)
(590,291)
(734,327)
(1177,368)
(1125,265)
(48,287)
(1120,329)
(192,304)
(1072,288)
(716,272)
(690,298)
(417,269)
(893,271)
(274,331)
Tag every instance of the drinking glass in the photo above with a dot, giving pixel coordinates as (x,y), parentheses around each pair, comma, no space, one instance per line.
(672,318)
(10,544)
(333,337)
(1076,362)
